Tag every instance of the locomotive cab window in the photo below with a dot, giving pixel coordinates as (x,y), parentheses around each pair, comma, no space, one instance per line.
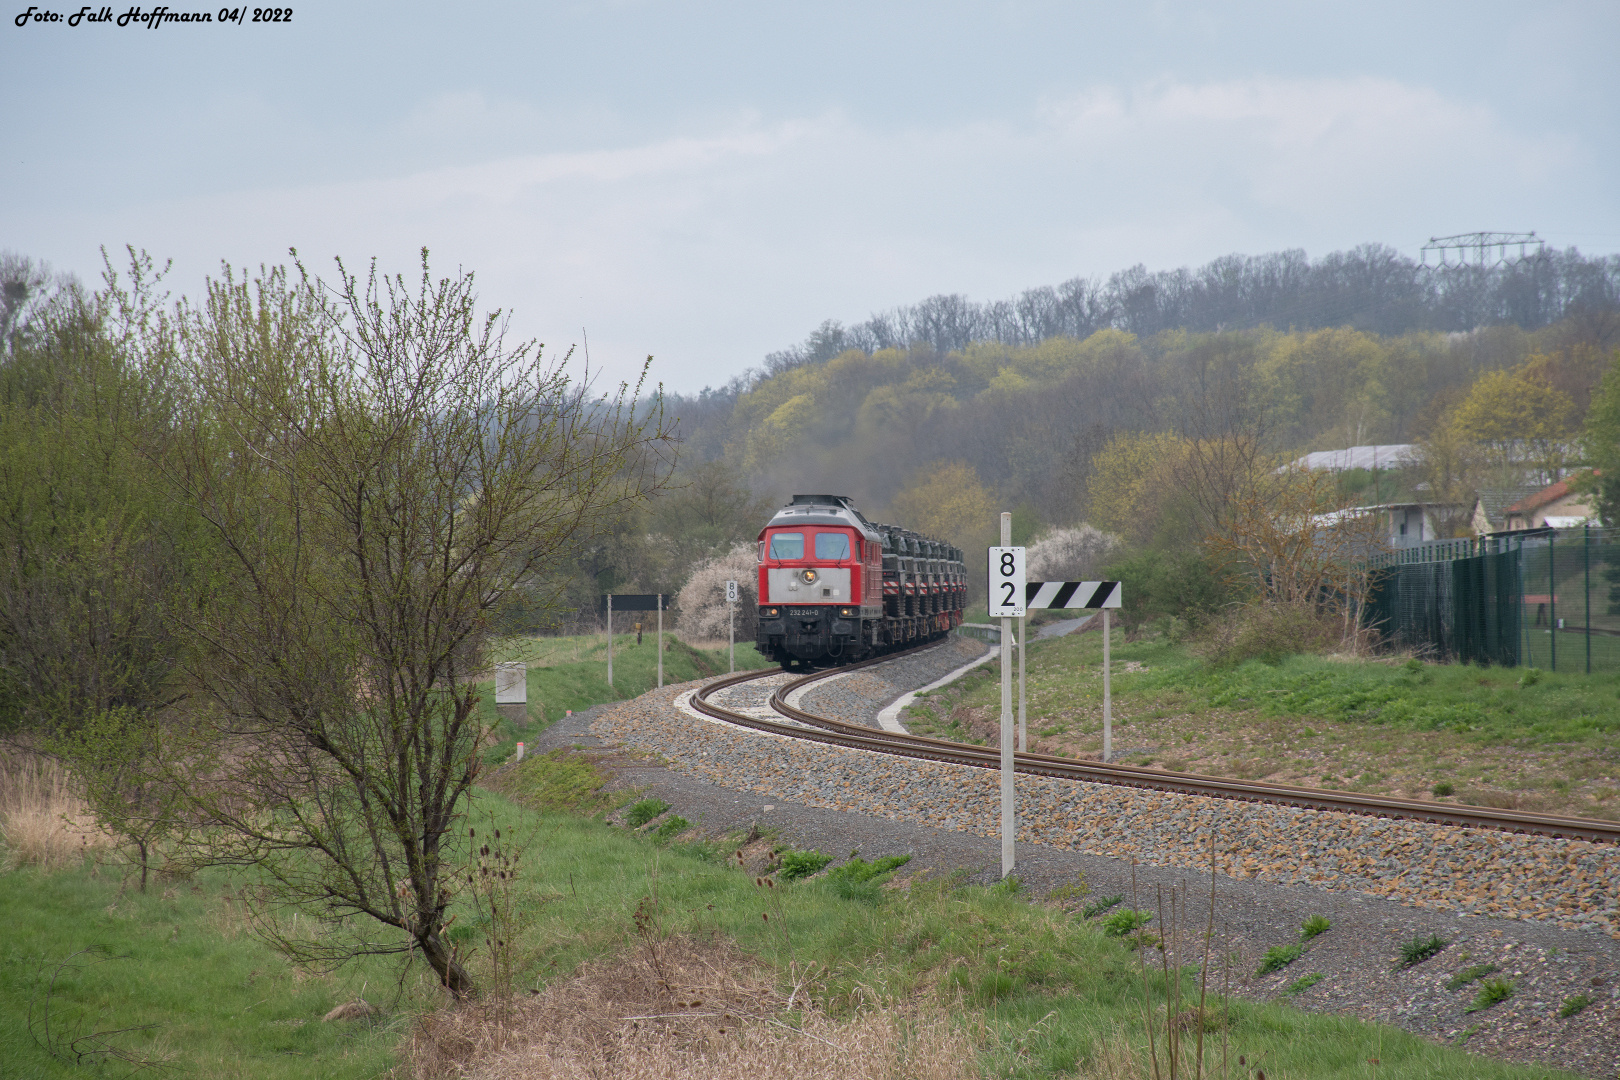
(832,545)
(787,545)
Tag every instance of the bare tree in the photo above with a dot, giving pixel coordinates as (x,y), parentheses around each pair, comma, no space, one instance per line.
(378,470)
(1301,546)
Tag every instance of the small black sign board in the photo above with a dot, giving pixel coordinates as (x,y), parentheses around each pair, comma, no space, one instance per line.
(636,601)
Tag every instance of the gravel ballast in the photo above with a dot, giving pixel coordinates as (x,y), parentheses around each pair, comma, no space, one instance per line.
(1437,872)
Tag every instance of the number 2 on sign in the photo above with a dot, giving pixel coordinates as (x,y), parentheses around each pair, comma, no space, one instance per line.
(1006,589)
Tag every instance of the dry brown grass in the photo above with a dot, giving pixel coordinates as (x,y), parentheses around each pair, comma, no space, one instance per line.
(43,822)
(1118,1058)
(698,1008)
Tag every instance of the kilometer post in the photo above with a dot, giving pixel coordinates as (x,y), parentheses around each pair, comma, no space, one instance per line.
(1006,602)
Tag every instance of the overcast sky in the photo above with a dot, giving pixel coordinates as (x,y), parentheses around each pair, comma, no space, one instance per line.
(707,182)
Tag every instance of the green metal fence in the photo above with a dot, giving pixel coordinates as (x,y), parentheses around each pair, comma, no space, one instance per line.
(1547,599)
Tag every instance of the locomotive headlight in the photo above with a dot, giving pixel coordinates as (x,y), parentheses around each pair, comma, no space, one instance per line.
(809,577)
(770,612)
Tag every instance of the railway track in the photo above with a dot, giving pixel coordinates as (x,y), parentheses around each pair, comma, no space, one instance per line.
(838,733)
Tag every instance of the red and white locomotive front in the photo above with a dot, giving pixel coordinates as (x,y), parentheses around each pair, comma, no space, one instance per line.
(820,580)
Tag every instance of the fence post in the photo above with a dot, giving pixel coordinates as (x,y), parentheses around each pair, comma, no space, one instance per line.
(1586,566)
(1521,632)
(1552,608)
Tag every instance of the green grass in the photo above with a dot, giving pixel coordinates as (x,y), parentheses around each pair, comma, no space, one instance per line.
(569,781)
(1419,949)
(570,673)
(1488,703)
(1573,1005)
(1045,990)
(1278,957)
(644,811)
(1311,927)
(1091,911)
(1123,922)
(1491,992)
(220,1006)
(1304,983)
(802,864)
(670,828)
(1470,974)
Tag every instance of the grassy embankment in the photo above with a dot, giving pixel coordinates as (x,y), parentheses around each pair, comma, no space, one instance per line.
(1494,736)
(570,673)
(1028,988)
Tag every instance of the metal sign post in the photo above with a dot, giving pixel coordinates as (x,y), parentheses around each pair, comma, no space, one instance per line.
(1006,601)
(660,641)
(1108,697)
(1090,596)
(1023,642)
(610,637)
(731,599)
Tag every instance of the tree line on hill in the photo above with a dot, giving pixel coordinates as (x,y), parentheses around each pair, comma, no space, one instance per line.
(1371,287)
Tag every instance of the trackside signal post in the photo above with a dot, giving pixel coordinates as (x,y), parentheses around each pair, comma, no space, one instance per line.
(1006,598)
(636,602)
(732,596)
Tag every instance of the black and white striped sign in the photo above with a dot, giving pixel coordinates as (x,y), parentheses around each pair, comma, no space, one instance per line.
(1071,594)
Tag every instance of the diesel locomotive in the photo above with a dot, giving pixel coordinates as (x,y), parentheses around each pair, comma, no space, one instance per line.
(835,588)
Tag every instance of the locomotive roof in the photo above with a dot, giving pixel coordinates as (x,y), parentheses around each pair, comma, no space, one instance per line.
(841,510)
(822,510)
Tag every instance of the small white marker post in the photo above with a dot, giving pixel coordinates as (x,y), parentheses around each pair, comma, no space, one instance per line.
(660,641)
(610,638)
(1006,601)
(731,599)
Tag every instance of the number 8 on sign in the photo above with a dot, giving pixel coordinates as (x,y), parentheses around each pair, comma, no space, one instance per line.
(1006,582)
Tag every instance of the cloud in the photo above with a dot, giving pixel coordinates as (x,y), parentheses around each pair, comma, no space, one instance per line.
(1316,146)
(709,249)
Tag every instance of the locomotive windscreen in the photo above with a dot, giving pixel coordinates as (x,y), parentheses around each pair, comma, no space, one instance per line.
(832,545)
(787,546)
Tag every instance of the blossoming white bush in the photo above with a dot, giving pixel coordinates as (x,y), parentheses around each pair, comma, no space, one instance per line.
(702,600)
(1072,554)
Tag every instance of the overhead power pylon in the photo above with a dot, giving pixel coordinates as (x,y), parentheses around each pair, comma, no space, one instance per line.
(1489,249)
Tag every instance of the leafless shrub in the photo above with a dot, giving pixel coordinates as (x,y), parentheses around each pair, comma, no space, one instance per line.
(1267,632)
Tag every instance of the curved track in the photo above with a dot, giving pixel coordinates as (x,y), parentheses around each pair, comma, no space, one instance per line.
(838,733)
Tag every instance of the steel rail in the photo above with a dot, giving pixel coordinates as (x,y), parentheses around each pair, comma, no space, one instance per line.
(838,733)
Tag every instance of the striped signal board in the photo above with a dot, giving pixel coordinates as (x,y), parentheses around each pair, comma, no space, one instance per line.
(1072,594)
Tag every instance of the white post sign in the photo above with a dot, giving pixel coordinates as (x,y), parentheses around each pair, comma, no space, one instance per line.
(1007,580)
(660,641)
(1006,597)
